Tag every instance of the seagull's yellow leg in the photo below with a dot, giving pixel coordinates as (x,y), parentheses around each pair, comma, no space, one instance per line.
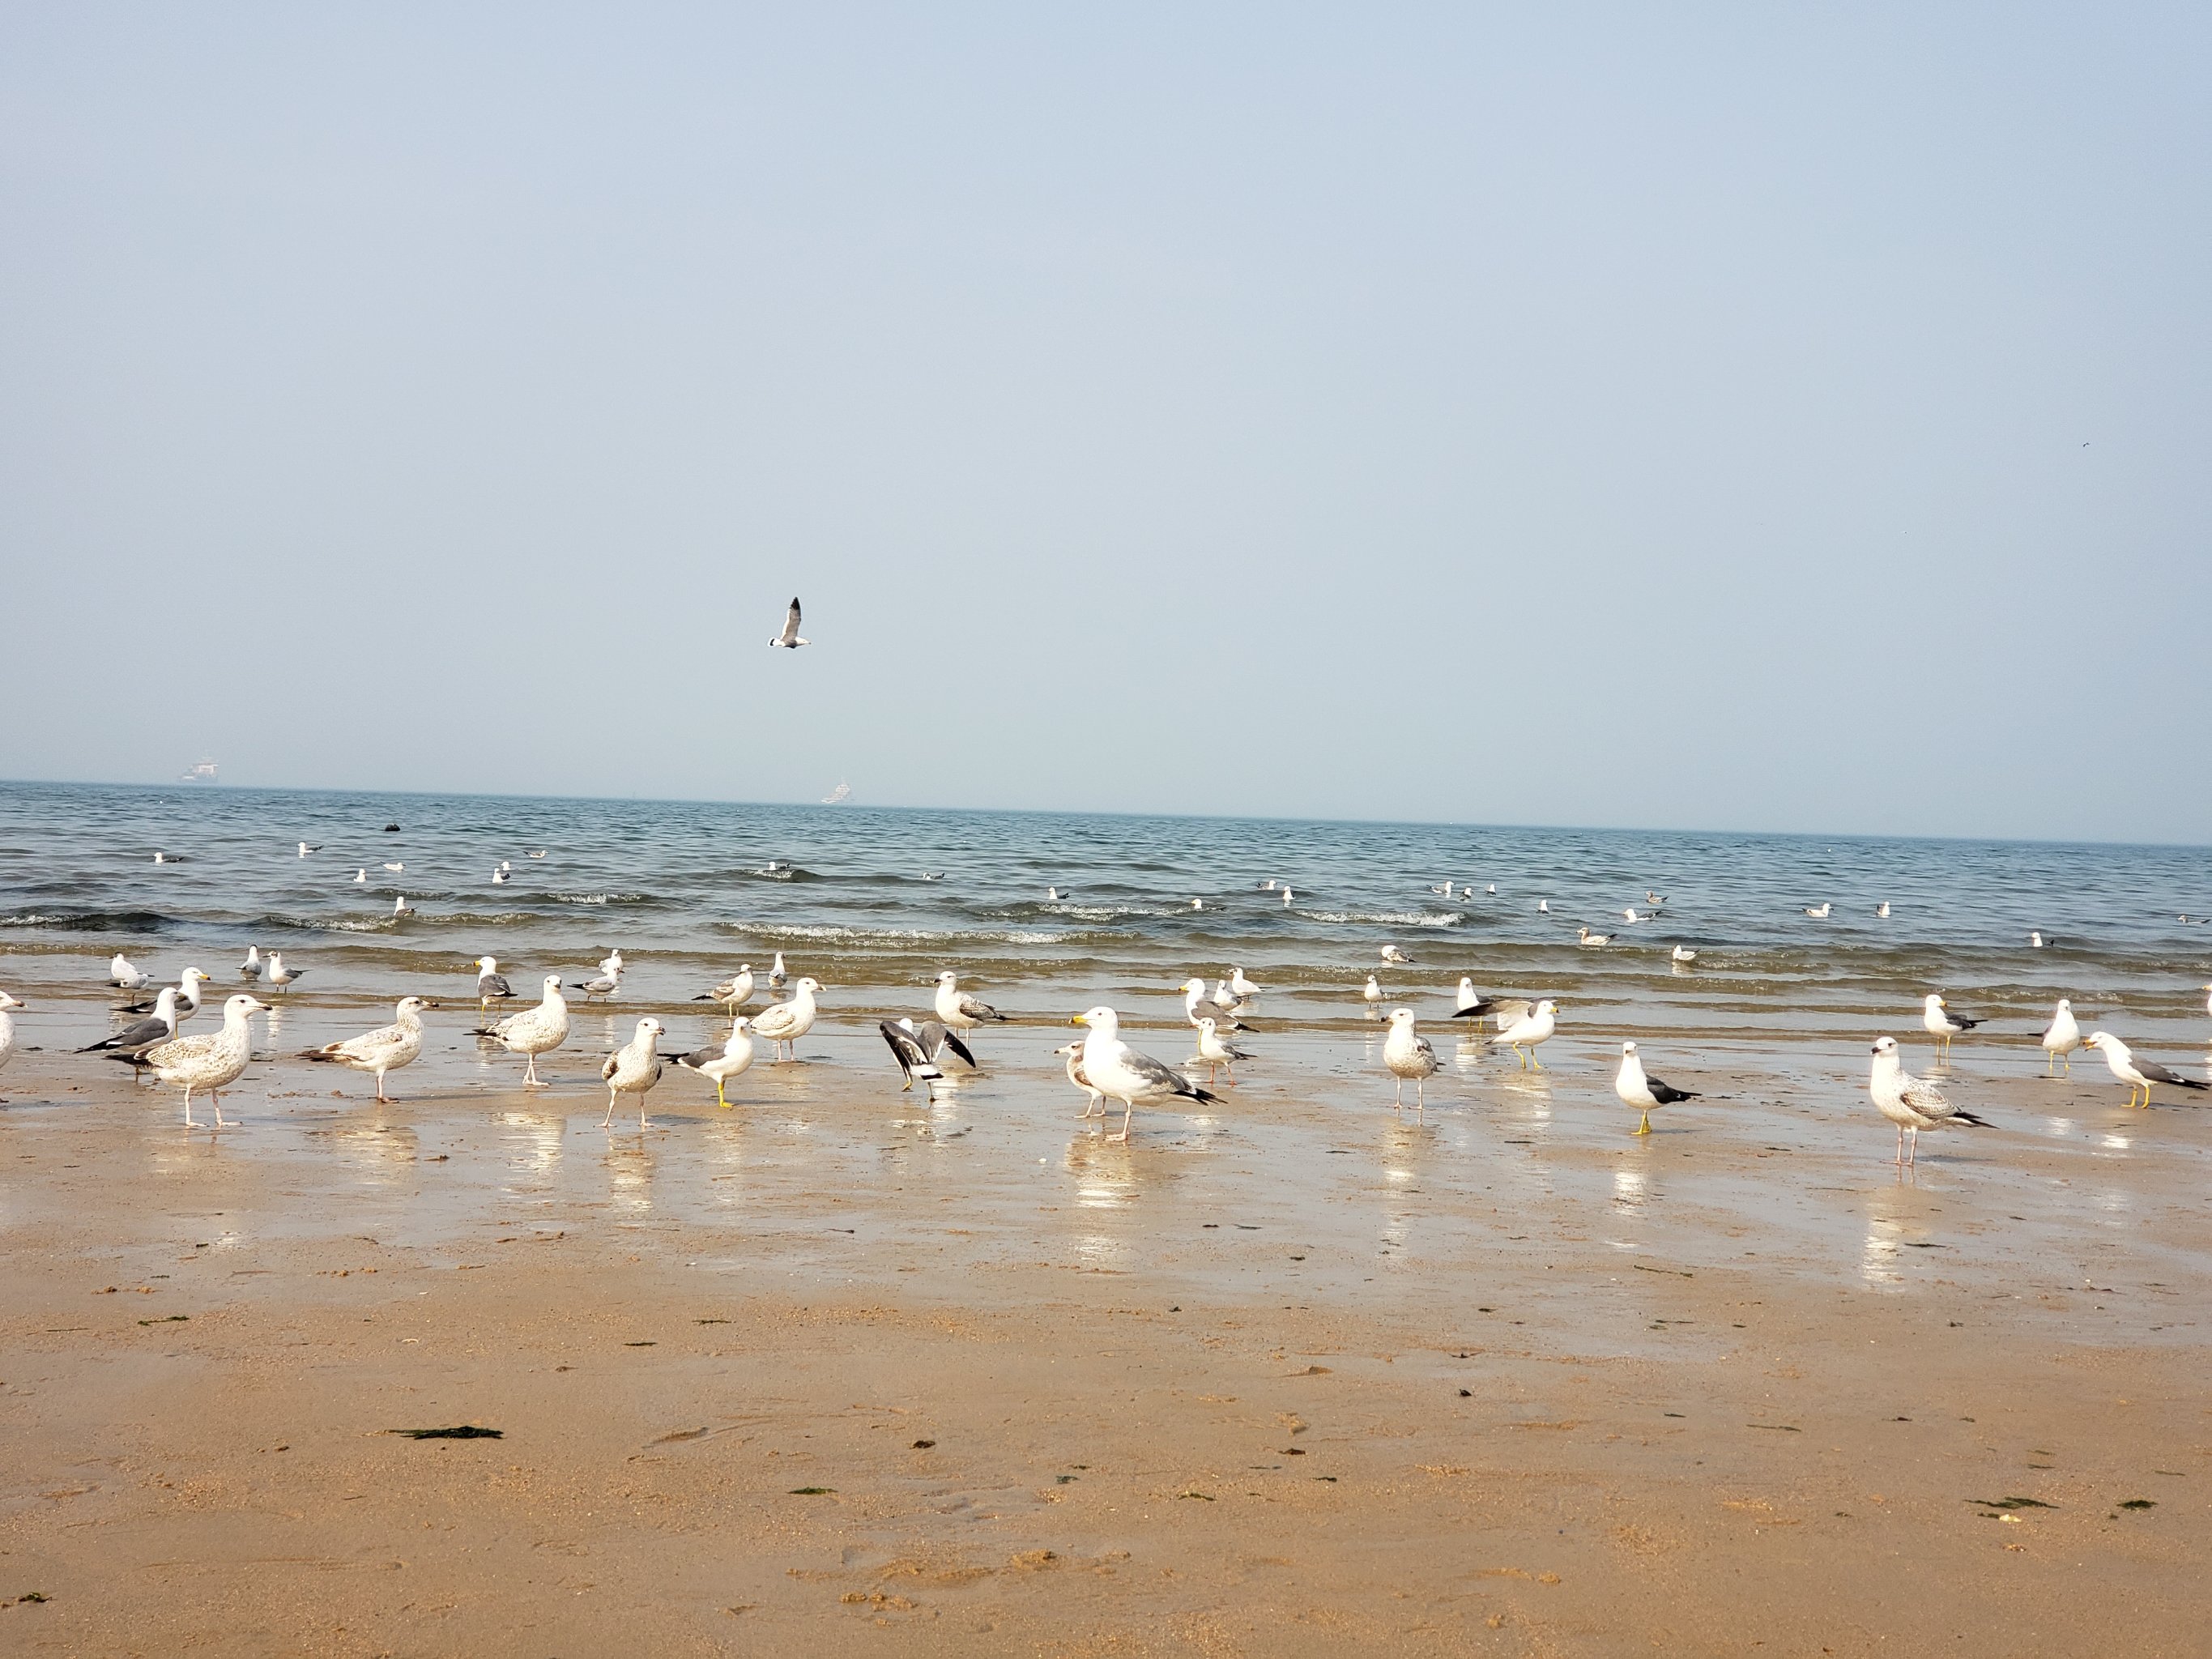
(720,1099)
(1536,1059)
(1644,1128)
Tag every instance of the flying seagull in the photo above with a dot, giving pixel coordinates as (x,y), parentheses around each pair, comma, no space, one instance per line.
(789,638)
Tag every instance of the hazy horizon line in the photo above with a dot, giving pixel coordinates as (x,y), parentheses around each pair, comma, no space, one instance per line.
(192,787)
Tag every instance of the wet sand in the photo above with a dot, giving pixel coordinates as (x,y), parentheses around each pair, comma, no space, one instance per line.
(837,1371)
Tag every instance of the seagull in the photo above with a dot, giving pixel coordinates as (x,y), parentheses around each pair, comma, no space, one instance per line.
(305,849)
(1543,906)
(7,1029)
(916,1050)
(2035,941)
(1214,1054)
(1593,940)
(251,968)
(1408,1054)
(1246,990)
(604,985)
(1492,891)
(1644,1092)
(1683,953)
(1072,1053)
(959,1011)
(505,866)
(1196,1008)
(1396,958)
(1910,1103)
(1882,910)
(1819,912)
(499,878)
(784,1023)
(534,1031)
(211,1060)
(395,868)
(1052,896)
(491,984)
(734,992)
(1655,900)
(1524,1034)
(1470,1004)
(730,1062)
(775,974)
(1944,1026)
(1371,994)
(163,858)
(135,1038)
(400,908)
(1226,998)
(1287,897)
(2063,1038)
(188,996)
(1628,914)
(1120,1072)
(277,973)
(1268,885)
(2135,1073)
(789,638)
(124,976)
(539,853)
(632,1069)
(1198,904)
(360,877)
(611,964)
(384,1049)
(1445,887)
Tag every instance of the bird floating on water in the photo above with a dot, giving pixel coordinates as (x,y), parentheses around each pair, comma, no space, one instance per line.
(1683,953)
(1882,910)
(1396,958)
(305,849)
(1819,912)
(1585,937)
(1637,1088)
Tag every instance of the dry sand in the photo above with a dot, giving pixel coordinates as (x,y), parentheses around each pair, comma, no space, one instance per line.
(837,1371)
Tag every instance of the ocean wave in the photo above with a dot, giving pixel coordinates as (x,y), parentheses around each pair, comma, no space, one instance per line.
(326,924)
(830,933)
(1391,918)
(93,921)
(599,898)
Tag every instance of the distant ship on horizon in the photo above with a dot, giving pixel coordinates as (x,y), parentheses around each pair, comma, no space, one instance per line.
(203,773)
(837,795)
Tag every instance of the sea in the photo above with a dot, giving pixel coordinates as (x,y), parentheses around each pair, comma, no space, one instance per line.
(1044,914)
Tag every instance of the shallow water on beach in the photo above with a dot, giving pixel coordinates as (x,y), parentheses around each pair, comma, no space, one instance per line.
(873,901)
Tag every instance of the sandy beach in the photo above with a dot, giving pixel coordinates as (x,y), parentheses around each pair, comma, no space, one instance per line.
(839,1371)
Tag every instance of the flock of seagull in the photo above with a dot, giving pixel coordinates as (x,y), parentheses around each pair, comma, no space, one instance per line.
(1101,1064)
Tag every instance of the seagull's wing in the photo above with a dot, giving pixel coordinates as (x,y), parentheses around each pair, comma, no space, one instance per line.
(905,1047)
(790,623)
(137,1035)
(696,1058)
(1509,1008)
(1666,1095)
(494,985)
(1925,1098)
(2158,1074)
(1160,1075)
(940,1040)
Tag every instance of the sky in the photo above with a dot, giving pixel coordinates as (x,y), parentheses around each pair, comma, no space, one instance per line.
(1720,416)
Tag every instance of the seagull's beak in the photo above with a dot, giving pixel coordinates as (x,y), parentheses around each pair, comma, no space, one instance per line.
(1080,1019)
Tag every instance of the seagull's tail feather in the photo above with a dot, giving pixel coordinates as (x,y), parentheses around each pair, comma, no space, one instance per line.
(1968,1117)
(1204,1096)
(329,1053)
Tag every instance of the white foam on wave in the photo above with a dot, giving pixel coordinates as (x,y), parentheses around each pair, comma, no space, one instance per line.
(825,933)
(1391,918)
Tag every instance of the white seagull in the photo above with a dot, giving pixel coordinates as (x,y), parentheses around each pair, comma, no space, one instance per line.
(1819,912)
(211,1060)
(125,976)
(632,1069)
(1882,910)
(1408,1054)
(250,969)
(602,985)
(305,849)
(277,973)
(2061,1039)
(789,638)
(1371,994)
(959,1011)
(1683,953)
(784,1023)
(534,1031)
(1593,940)
(1120,1072)
(732,1060)
(1072,1053)
(1247,990)
(1214,1054)
(384,1049)
(1396,958)
(776,974)
(7,1029)
(134,1039)
(1525,1034)
(1943,1025)
(361,877)
(1910,1103)
(1196,1007)
(2137,1073)
(732,992)
(1646,1093)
